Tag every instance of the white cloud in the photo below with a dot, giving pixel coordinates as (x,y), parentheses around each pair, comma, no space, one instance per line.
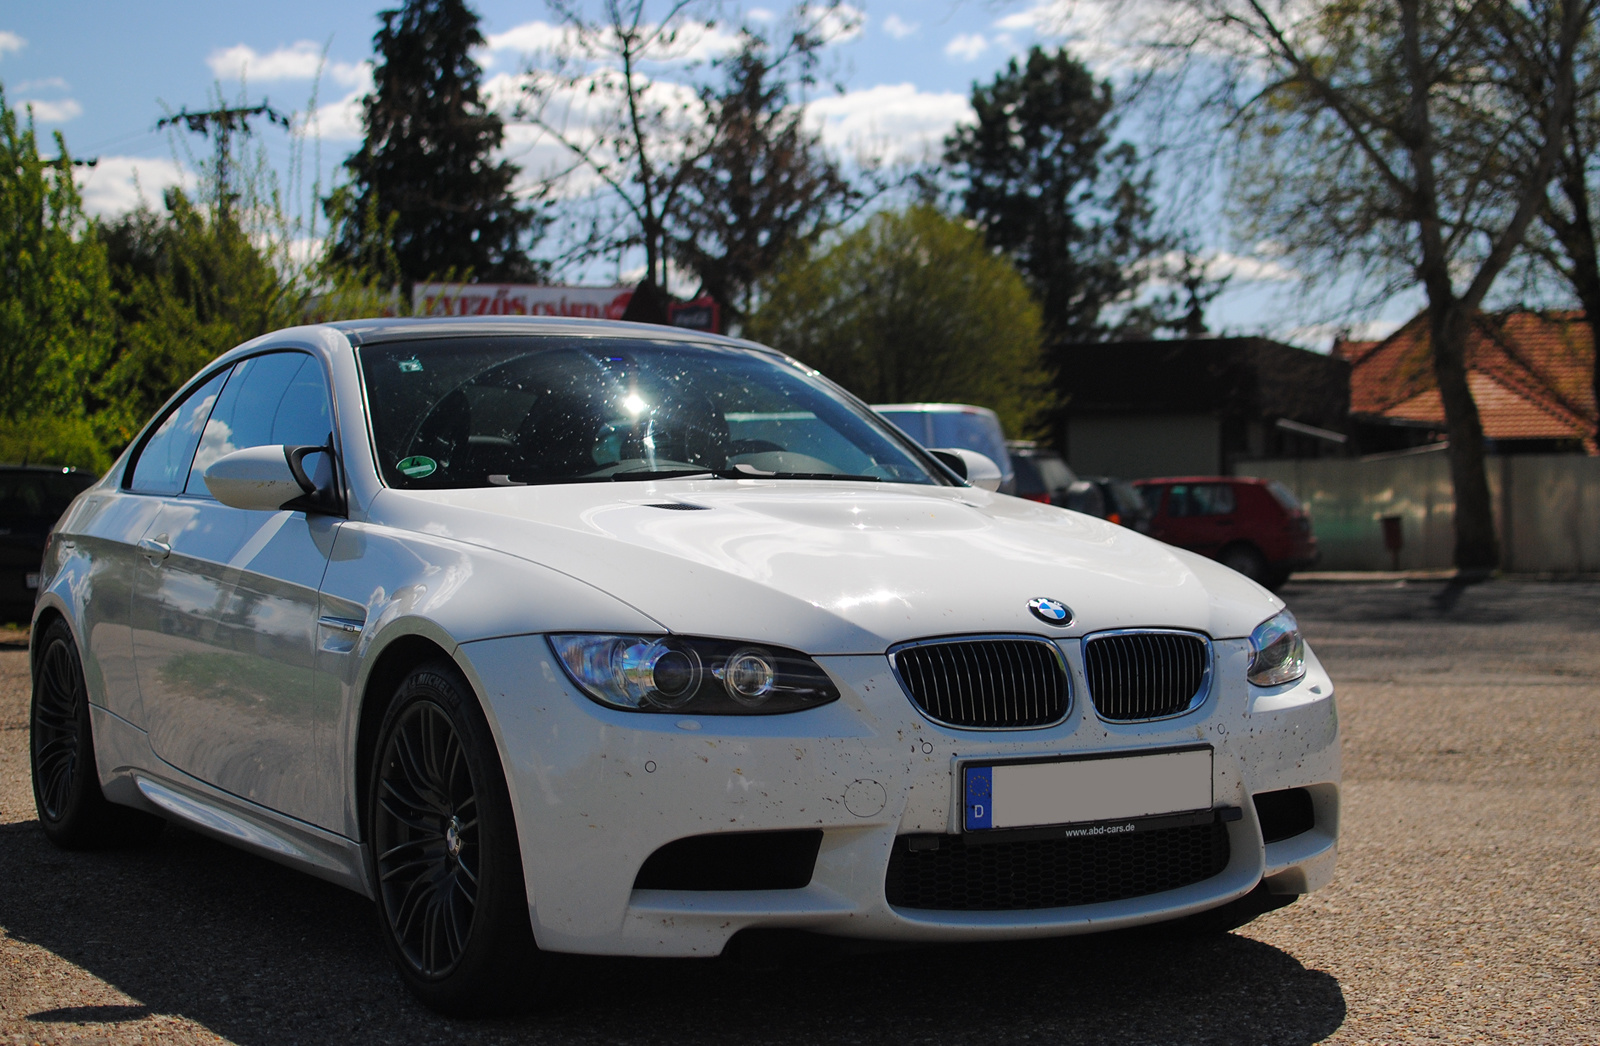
(529,38)
(899,28)
(693,42)
(834,24)
(1246,269)
(117,184)
(51,112)
(49,83)
(302,60)
(966,46)
(889,122)
(1240,268)
(1320,336)
(1110,35)
(761,14)
(10,42)
(336,121)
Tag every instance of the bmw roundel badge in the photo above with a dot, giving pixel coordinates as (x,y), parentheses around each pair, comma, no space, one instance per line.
(1050,611)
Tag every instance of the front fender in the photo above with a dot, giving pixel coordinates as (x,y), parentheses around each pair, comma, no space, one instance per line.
(398,586)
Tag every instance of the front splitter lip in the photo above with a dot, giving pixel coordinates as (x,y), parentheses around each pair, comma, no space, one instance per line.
(663,922)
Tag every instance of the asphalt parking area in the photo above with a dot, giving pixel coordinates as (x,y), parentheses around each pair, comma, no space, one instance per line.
(1464,908)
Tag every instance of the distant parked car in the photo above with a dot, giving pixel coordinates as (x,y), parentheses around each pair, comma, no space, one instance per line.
(1256,526)
(1123,504)
(1041,474)
(32,498)
(958,425)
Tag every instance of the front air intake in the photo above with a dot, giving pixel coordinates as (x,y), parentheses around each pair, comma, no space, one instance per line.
(1146,674)
(985,683)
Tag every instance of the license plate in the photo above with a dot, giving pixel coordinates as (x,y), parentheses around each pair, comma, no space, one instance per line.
(1086,791)
(31,580)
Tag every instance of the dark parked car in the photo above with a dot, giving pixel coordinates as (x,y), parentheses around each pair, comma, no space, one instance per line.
(1123,502)
(1256,526)
(1041,474)
(32,498)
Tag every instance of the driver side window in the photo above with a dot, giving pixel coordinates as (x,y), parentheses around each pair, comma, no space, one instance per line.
(281,397)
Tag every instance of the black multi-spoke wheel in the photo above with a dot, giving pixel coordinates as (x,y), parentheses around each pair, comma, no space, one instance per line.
(445,859)
(425,836)
(66,785)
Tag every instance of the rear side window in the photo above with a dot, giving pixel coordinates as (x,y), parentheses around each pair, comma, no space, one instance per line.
(281,397)
(163,463)
(976,432)
(1055,472)
(1200,499)
(1028,479)
(1152,498)
(1284,495)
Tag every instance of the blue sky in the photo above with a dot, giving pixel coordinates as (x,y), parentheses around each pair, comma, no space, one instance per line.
(103,73)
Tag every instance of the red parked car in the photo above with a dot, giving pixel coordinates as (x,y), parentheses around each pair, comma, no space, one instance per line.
(1256,526)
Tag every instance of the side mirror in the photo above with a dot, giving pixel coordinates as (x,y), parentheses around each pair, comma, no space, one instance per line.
(269,478)
(971,466)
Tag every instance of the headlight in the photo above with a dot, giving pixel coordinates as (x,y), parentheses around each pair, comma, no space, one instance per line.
(699,676)
(1277,653)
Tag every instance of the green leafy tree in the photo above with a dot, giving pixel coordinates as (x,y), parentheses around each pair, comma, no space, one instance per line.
(913,306)
(191,284)
(1039,171)
(424,173)
(56,319)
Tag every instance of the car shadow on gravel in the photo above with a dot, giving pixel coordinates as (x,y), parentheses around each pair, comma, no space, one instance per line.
(263,955)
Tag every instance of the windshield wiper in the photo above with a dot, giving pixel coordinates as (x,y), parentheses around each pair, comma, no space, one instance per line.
(812,475)
(737,472)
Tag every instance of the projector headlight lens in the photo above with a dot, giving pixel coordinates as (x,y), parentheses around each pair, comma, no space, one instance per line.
(687,674)
(1277,651)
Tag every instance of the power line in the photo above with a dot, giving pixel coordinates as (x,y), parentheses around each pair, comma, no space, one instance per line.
(224,122)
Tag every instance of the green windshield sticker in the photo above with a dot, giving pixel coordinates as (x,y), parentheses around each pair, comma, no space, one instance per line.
(417,467)
(411,366)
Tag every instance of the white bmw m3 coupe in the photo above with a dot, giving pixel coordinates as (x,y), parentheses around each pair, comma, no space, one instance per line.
(562,636)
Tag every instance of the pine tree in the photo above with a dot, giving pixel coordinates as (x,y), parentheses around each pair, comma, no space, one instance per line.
(1048,186)
(425,172)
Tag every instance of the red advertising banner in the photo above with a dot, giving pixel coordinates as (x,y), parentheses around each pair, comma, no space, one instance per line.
(519,299)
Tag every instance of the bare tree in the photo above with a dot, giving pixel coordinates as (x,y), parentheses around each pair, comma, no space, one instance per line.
(619,95)
(1351,119)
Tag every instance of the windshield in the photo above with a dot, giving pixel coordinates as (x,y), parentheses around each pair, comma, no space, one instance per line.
(508,411)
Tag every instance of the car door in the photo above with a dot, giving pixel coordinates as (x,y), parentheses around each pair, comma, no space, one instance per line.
(1198,516)
(225,602)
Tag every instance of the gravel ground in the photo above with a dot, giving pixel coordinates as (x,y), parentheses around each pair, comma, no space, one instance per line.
(1464,909)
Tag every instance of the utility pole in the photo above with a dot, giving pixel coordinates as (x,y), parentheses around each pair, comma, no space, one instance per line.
(225,120)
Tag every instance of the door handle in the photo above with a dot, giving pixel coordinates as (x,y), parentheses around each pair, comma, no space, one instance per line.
(155,549)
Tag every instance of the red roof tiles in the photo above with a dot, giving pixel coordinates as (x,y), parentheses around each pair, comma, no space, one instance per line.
(1531,374)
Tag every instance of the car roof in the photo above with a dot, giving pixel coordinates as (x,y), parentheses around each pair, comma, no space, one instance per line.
(935,408)
(386,329)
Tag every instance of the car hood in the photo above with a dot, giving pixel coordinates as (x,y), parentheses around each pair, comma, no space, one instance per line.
(836,567)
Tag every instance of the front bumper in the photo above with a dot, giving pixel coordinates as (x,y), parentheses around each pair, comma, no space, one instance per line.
(596,791)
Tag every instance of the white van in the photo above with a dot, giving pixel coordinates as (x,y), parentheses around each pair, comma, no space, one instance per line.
(955,425)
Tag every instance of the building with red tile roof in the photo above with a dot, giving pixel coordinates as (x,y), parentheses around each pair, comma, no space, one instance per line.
(1531,374)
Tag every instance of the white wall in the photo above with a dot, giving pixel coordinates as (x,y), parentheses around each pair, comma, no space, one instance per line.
(1551,502)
